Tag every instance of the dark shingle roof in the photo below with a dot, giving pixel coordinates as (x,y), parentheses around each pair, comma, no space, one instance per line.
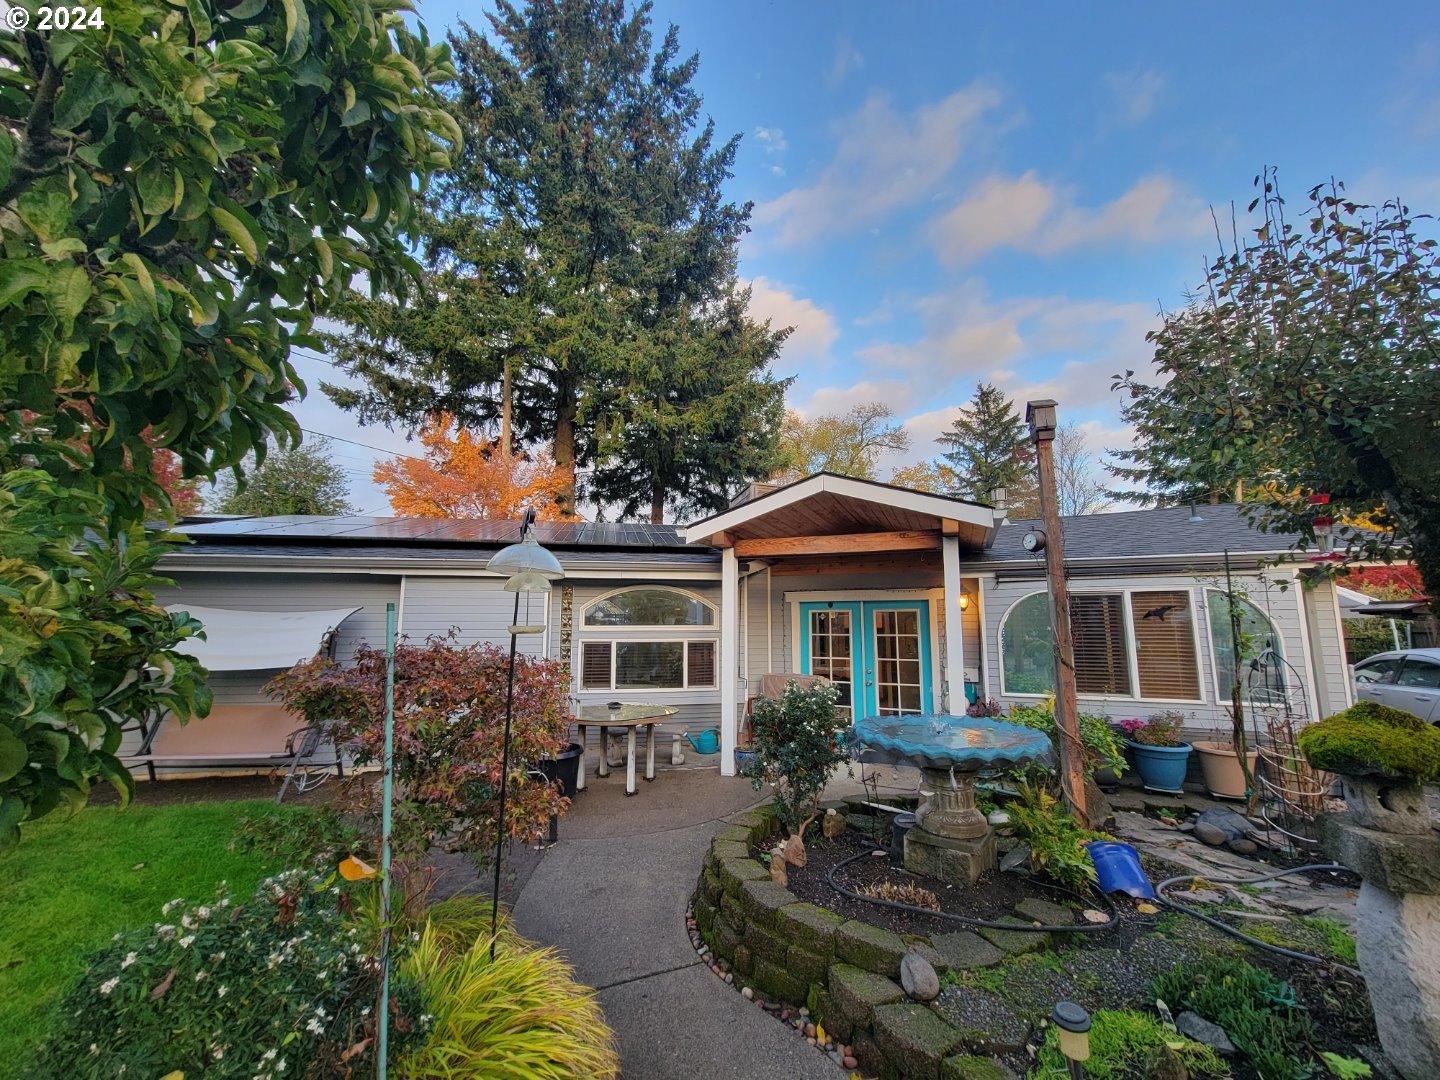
(398,531)
(1138,534)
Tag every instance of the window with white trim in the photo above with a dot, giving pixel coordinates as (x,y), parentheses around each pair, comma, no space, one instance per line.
(654,643)
(1130,643)
(1261,653)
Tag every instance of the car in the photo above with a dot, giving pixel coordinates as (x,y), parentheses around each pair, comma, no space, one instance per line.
(1406,679)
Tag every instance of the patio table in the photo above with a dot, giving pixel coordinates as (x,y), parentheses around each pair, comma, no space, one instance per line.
(629,716)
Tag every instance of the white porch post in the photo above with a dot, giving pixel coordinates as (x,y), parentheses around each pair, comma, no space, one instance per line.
(954,632)
(729,657)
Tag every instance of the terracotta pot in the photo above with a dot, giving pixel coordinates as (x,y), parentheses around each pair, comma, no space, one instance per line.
(1224,778)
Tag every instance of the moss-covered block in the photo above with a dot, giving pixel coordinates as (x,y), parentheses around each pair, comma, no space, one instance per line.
(871,1060)
(777,984)
(1014,942)
(704,912)
(727,849)
(858,993)
(809,926)
(805,965)
(1044,912)
(970,1067)
(914,1039)
(727,938)
(744,959)
(765,942)
(759,822)
(870,948)
(732,909)
(827,1014)
(734,872)
(736,833)
(761,900)
(710,885)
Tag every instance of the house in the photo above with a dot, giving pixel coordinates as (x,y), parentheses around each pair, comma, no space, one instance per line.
(908,601)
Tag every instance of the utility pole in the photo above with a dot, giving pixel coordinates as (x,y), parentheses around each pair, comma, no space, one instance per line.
(1040,415)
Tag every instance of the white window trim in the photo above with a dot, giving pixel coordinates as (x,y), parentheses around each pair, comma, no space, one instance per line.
(684,644)
(714,610)
(1223,696)
(1132,658)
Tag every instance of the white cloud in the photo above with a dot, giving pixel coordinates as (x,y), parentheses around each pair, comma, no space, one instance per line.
(815,328)
(884,160)
(773,139)
(1135,92)
(846,59)
(777,170)
(1032,215)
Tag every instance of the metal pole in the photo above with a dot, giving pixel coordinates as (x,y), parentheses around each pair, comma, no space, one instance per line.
(1067,721)
(382,1021)
(504,780)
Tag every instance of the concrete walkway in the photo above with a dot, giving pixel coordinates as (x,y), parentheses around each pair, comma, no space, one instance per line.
(611,896)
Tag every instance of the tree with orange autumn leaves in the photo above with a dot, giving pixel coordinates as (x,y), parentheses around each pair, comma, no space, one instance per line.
(463,475)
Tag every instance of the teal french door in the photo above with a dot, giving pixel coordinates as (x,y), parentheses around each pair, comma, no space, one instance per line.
(876,652)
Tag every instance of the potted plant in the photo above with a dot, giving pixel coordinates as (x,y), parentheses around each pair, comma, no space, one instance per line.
(1384,758)
(1161,757)
(1225,777)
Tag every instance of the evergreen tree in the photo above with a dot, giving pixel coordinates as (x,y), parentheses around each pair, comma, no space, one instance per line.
(989,448)
(575,248)
(302,480)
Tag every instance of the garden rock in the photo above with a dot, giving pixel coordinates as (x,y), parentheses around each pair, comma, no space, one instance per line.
(918,978)
(913,1038)
(1209,834)
(1196,1027)
(966,949)
(1226,824)
(1016,860)
(1243,846)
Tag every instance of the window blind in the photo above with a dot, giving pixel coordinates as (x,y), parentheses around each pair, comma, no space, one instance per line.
(1165,645)
(701,661)
(595,665)
(1097,626)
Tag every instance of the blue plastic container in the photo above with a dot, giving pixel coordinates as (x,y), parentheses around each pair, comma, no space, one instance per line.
(705,742)
(1161,768)
(1118,868)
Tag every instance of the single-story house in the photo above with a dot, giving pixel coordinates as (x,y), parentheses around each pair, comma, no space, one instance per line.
(910,602)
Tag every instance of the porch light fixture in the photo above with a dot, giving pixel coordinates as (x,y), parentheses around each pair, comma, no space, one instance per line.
(529,569)
(1073,1023)
(1040,415)
(964,601)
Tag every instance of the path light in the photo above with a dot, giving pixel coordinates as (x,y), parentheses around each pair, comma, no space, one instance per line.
(528,569)
(1074,1025)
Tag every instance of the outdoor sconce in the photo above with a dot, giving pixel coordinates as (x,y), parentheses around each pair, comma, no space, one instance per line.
(1074,1025)
(1040,415)
(964,601)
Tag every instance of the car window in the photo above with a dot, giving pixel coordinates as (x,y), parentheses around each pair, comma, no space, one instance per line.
(1377,671)
(1419,673)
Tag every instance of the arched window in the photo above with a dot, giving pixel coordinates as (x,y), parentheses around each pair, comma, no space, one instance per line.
(1262,655)
(1027,647)
(649,606)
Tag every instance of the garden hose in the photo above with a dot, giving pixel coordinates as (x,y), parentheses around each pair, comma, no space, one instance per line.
(988,924)
(1232,931)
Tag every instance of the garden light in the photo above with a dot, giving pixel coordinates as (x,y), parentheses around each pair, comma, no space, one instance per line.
(1073,1023)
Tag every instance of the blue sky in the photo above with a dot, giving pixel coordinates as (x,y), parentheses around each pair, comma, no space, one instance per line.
(947,193)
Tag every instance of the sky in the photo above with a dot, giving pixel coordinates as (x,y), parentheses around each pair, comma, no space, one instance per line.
(950,193)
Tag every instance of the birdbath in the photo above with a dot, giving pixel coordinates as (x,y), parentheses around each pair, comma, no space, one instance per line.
(951,839)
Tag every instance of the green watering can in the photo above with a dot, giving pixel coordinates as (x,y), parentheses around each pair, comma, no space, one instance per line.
(705,742)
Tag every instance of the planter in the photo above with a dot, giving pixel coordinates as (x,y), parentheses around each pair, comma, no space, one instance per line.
(1386,803)
(1224,778)
(564,767)
(1161,768)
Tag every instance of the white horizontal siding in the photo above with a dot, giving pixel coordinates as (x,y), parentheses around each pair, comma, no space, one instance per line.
(478,609)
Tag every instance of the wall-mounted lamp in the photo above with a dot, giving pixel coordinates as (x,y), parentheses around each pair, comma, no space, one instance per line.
(1074,1025)
(964,601)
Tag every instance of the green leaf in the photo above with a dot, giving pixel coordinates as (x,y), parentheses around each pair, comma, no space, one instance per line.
(297,31)
(13,754)
(47,213)
(81,92)
(70,290)
(142,276)
(236,231)
(7,155)
(12,812)
(66,245)
(19,277)
(156,188)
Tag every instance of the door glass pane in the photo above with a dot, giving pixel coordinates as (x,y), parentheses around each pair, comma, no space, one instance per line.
(830,643)
(898,670)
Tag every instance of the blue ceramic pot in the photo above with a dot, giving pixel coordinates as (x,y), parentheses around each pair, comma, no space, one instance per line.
(1162,768)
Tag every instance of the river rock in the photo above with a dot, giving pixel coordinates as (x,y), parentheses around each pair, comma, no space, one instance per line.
(1243,846)
(918,978)
(1194,1026)
(1209,834)
(1234,826)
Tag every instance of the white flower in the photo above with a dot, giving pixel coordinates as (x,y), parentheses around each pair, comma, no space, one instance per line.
(94,1049)
(166,931)
(170,906)
(201,976)
(269,1055)
(108,985)
(188,923)
(203,911)
(222,991)
(315,1027)
(218,1053)
(130,958)
(320,1011)
(187,941)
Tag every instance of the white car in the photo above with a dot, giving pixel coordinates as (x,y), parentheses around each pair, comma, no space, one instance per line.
(1408,679)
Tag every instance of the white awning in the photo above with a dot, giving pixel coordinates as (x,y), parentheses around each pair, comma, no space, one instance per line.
(258,640)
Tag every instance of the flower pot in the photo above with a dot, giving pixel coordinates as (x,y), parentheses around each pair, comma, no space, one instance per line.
(564,767)
(1161,768)
(1224,778)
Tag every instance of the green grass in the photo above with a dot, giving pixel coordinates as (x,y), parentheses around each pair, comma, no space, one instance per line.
(72,884)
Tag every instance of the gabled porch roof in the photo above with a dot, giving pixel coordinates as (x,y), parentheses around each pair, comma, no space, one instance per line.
(826,513)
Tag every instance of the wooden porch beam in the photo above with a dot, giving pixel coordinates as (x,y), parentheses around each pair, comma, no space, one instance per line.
(840,544)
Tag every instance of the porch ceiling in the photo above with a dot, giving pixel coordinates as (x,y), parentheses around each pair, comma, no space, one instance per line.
(878,516)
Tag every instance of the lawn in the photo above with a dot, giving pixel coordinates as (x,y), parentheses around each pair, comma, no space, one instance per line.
(71,884)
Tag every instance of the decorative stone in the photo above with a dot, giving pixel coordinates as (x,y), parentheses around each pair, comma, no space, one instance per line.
(833,825)
(1196,1027)
(1386,804)
(808,925)
(1016,860)
(794,851)
(958,860)
(848,1061)
(1243,846)
(966,949)
(1395,862)
(870,947)
(857,993)
(748,994)
(777,869)
(1398,942)
(918,978)
(1044,912)
(1209,834)
(913,1038)
(1015,942)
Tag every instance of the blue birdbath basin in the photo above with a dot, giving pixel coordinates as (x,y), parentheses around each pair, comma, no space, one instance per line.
(955,839)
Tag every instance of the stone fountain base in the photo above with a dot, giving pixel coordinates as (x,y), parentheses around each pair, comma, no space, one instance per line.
(951,839)
(949,858)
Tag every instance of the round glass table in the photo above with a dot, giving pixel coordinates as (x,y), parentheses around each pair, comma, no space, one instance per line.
(629,716)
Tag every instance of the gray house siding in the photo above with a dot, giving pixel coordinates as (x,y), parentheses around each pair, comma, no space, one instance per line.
(478,608)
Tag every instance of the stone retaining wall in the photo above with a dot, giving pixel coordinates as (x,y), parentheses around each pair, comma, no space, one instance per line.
(845,971)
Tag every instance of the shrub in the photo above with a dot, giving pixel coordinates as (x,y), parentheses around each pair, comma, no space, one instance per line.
(797,746)
(1103,748)
(1121,1045)
(1056,842)
(277,986)
(1161,729)
(1364,637)
(320,837)
(1370,738)
(985,707)
(449,732)
(521,1014)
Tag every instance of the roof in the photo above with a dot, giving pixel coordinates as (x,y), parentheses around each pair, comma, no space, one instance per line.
(1170,532)
(346,531)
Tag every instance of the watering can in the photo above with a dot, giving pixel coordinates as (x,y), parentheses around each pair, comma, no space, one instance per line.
(705,742)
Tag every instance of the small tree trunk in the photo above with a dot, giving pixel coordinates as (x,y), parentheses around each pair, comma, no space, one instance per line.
(657,504)
(565,413)
(506,398)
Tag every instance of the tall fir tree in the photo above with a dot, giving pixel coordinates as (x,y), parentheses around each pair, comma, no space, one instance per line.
(988,448)
(299,480)
(577,246)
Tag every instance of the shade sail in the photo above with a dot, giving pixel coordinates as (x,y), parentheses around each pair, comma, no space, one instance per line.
(258,640)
